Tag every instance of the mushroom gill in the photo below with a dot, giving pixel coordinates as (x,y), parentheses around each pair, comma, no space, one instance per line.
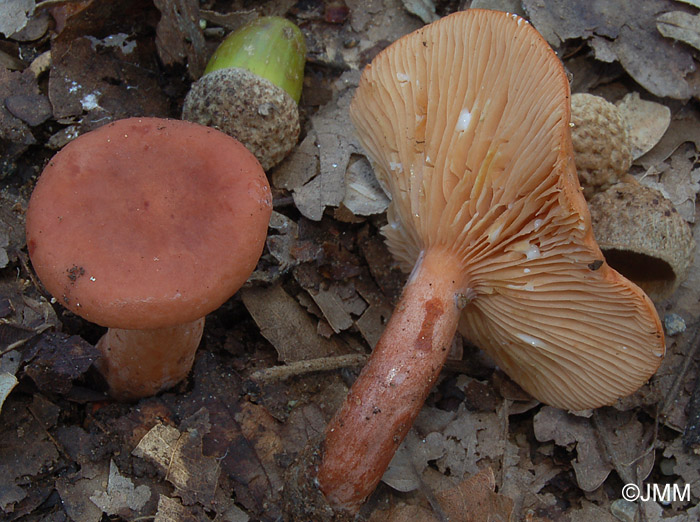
(466,123)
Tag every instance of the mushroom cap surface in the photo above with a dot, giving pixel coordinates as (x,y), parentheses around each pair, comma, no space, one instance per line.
(147,223)
(467,124)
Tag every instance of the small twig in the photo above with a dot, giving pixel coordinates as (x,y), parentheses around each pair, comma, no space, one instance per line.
(280,373)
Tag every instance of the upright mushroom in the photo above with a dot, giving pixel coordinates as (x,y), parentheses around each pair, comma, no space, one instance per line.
(145,226)
(467,123)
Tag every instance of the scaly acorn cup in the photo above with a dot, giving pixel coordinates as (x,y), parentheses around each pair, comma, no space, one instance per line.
(251,87)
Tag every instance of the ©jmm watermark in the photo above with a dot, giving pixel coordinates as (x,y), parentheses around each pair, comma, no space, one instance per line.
(662,493)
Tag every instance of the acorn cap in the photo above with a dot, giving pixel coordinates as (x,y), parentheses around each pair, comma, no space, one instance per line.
(248,107)
(480,164)
(643,237)
(147,223)
(600,141)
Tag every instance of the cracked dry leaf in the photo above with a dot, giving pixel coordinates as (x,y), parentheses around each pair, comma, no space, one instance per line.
(623,31)
(336,143)
(646,122)
(331,306)
(287,326)
(364,195)
(75,491)
(686,465)
(469,439)
(592,466)
(475,499)
(170,510)
(680,26)
(158,445)
(194,475)
(411,459)
(572,432)
(121,494)
(678,180)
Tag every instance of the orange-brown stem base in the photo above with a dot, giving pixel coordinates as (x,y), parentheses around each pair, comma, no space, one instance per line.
(382,404)
(140,363)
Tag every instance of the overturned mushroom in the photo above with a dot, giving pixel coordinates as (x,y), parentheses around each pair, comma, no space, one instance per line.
(467,123)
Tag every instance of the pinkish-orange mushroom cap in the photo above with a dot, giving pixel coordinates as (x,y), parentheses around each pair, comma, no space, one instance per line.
(147,223)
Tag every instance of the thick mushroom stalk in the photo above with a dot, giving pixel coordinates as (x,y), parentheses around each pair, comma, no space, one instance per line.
(392,387)
(144,226)
(466,122)
(131,375)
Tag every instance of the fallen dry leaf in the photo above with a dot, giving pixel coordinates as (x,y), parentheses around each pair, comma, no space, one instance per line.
(158,445)
(621,448)
(475,500)
(678,179)
(623,31)
(179,36)
(573,432)
(286,324)
(121,496)
(57,359)
(93,81)
(411,459)
(335,146)
(14,15)
(680,26)
(75,491)
(364,195)
(194,475)
(646,122)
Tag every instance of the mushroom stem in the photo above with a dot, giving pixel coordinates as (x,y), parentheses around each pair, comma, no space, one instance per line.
(140,363)
(380,408)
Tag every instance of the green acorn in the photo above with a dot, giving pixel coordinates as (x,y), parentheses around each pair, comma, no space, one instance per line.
(251,87)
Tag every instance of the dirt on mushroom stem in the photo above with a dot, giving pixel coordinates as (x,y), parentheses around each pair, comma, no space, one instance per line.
(389,392)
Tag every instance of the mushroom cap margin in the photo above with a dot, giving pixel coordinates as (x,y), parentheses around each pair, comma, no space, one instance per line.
(146,222)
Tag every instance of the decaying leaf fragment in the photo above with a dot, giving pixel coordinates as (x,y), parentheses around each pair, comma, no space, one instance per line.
(646,122)
(680,26)
(286,324)
(623,31)
(121,494)
(179,456)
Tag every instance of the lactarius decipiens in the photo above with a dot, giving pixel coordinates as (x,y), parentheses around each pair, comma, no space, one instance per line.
(145,226)
(467,123)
